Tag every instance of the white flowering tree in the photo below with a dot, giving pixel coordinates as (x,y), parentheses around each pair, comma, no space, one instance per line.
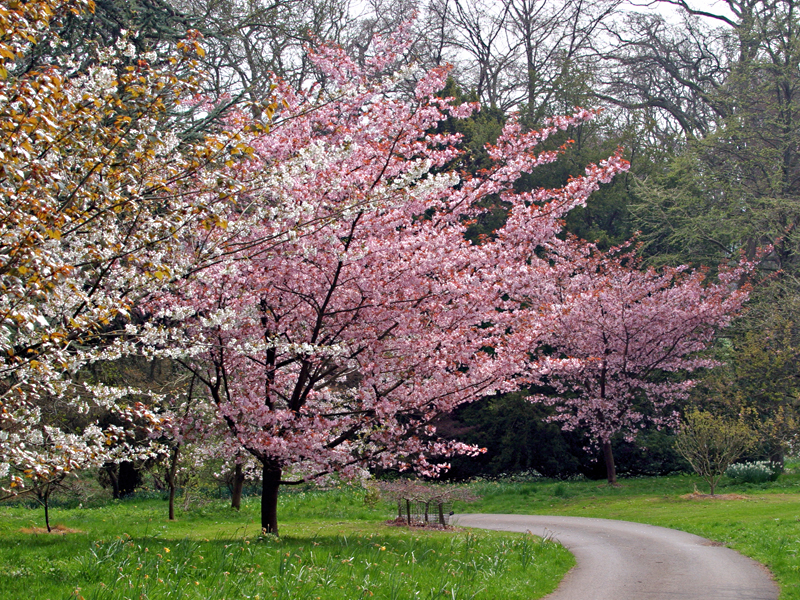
(94,177)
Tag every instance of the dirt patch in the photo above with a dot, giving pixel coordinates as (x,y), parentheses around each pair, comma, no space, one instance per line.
(56,530)
(699,496)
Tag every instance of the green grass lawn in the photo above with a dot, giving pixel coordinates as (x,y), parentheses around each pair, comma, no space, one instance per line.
(760,520)
(331,547)
(334,547)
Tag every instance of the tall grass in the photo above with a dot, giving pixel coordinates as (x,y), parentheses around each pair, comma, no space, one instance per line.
(464,565)
(332,547)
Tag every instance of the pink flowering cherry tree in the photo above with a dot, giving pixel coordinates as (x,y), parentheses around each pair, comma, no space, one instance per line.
(354,313)
(619,329)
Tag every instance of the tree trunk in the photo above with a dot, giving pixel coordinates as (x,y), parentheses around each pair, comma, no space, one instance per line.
(46,502)
(171,501)
(238,486)
(128,478)
(171,473)
(777,456)
(111,471)
(270,484)
(611,470)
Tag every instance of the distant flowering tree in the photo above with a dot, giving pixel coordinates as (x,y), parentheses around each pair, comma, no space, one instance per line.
(356,312)
(618,329)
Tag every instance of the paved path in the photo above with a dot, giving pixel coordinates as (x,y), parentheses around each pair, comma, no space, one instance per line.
(619,560)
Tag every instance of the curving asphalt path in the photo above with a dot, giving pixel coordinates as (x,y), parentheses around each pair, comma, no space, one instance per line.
(619,560)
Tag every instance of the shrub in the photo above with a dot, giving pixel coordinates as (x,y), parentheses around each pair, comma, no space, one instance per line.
(711,443)
(753,472)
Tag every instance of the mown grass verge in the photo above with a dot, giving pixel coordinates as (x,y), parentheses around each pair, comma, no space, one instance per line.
(332,547)
(760,520)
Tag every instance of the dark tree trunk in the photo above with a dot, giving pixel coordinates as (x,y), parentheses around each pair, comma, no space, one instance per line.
(270,484)
(158,484)
(43,495)
(111,472)
(46,502)
(171,473)
(611,469)
(172,502)
(777,457)
(128,478)
(238,486)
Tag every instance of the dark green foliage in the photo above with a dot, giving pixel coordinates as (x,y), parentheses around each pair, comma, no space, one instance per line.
(518,439)
(604,219)
(652,454)
(482,128)
(735,188)
(513,431)
(153,22)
